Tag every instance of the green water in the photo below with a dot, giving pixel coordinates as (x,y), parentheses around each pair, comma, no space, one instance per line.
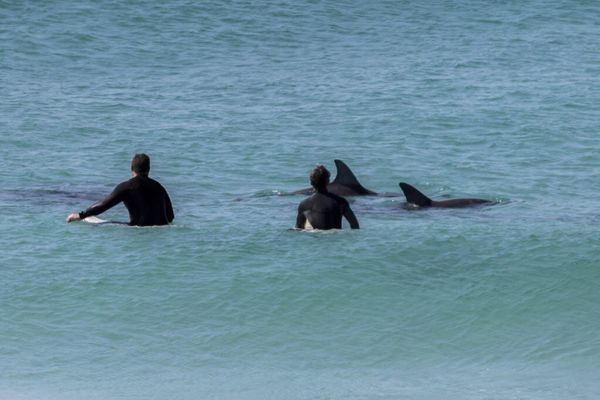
(235,104)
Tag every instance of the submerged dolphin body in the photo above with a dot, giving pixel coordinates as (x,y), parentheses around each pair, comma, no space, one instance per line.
(344,184)
(413,196)
(48,196)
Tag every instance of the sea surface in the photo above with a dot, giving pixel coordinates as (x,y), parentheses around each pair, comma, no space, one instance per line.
(236,102)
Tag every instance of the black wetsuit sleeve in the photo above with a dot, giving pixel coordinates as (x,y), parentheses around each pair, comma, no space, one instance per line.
(169,206)
(349,214)
(110,201)
(300,218)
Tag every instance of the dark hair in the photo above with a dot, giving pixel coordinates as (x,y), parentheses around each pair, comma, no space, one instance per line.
(140,164)
(319,178)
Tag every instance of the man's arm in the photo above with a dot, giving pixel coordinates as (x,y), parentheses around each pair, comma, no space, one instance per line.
(98,208)
(169,207)
(301,218)
(349,214)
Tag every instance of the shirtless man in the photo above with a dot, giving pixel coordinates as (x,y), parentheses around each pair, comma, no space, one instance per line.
(146,200)
(323,210)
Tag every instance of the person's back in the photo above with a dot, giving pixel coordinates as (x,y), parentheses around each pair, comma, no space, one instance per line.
(146,200)
(323,210)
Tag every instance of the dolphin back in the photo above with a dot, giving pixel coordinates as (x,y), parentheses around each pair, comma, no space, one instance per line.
(345,178)
(415,197)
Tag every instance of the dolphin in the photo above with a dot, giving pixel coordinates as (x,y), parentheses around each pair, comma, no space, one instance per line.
(47,196)
(344,184)
(413,196)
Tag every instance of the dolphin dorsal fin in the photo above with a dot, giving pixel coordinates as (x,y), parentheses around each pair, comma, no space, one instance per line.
(344,175)
(413,196)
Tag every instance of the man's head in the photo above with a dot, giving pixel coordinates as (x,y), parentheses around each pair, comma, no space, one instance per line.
(319,178)
(140,165)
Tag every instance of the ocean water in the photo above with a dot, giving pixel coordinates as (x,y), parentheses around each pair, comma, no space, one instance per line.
(235,102)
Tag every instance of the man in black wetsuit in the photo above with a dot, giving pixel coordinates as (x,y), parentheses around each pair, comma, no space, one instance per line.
(323,210)
(146,200)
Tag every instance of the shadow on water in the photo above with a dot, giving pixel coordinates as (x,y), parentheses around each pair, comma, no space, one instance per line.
(52,196)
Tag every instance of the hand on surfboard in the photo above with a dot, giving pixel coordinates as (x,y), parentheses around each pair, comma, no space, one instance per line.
(73,217)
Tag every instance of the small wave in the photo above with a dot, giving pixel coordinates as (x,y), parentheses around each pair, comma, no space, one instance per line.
(318,231)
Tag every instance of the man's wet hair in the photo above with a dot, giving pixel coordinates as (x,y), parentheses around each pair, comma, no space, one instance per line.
(319,178)
(141,164)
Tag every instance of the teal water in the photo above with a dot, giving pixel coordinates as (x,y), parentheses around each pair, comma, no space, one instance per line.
(235,103)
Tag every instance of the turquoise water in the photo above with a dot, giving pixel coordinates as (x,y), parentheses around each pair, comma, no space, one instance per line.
(235,103)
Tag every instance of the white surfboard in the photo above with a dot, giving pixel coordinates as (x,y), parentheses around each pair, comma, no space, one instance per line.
(95,220)
(99,221)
